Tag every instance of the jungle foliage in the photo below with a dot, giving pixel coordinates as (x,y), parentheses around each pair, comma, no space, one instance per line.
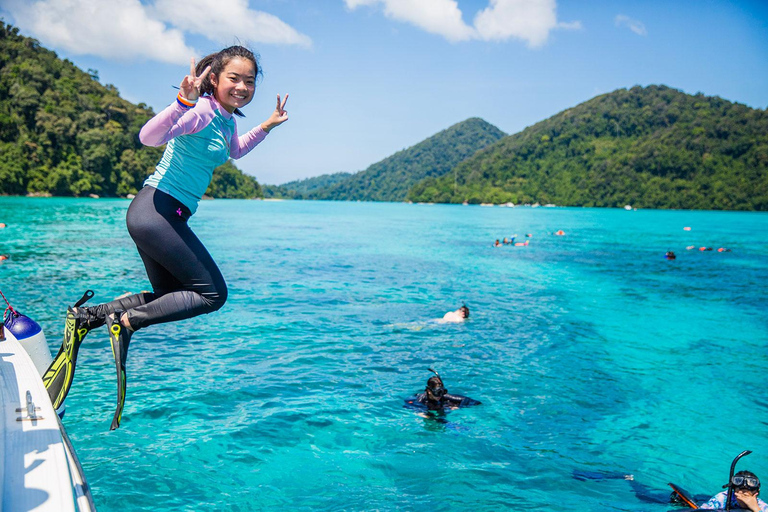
(301,188)
(391,178)
(649,147)
(62,133)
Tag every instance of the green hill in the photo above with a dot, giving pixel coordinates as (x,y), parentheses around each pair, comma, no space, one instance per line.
(652,147)
(300,188)
(391,178)
(63,133)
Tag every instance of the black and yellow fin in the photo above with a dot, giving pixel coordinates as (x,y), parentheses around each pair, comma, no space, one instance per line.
(119,338)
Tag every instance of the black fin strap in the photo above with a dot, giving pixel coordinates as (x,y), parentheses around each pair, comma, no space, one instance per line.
(87,295)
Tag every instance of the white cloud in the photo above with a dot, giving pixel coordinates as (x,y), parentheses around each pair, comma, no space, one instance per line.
(441,17)
(634,25)
(528,20)
(128,29)
(118,29)
(231,20)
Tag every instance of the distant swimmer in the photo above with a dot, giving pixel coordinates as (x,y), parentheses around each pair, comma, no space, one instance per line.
(497,243)
(4,257)
(436,397)
(457,316)
(199,132)
(690,247)
(723,249)
(505,241)
(560,232)
(705,248)
(686,228)
(669,255)
(2,225)
(521,244)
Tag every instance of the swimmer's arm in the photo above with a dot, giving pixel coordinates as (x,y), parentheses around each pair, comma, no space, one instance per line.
(175,120)
(461,401)
(239,146)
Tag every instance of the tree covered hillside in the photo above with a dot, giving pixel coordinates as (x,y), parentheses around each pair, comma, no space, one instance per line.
(652,147)
(63,133)
(300,188)
(391,178)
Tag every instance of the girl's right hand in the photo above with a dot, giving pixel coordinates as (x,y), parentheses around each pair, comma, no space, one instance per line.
(190,86)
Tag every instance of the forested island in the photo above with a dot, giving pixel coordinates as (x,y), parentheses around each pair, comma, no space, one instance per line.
(392,178)
(63,133)
(649,147)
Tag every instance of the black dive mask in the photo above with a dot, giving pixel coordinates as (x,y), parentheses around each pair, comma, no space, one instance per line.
(440,391)
(745,482)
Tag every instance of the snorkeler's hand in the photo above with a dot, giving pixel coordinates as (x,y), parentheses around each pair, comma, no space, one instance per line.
(278,117)
(190,85)
(747,499)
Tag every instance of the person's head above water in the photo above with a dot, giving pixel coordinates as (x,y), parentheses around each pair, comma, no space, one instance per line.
(746,480)
(464,310)
(435,389)
(232,79)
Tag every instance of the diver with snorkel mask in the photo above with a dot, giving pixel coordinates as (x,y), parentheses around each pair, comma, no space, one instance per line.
(436,397)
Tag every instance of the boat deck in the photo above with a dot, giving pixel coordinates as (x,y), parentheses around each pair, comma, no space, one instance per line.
(38,470)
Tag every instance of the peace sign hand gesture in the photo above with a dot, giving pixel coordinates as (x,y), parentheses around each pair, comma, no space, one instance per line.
(278,117)
(190,85)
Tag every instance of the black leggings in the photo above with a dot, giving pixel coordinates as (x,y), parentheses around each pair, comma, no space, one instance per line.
(186,281)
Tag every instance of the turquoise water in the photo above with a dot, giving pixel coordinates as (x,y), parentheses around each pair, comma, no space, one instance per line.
(589,351)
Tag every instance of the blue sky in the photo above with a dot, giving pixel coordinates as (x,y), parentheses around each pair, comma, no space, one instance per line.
(368,78)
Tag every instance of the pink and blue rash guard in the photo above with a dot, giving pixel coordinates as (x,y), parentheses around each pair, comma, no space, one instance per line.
(199,139)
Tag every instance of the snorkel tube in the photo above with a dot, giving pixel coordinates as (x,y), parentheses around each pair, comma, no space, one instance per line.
(730,478)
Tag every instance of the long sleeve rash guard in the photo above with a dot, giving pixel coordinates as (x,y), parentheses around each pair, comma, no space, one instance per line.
(199,139)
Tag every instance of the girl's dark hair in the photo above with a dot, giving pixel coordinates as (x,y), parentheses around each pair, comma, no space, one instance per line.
(218,61)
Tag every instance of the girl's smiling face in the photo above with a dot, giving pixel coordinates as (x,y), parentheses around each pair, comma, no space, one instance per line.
(235,85)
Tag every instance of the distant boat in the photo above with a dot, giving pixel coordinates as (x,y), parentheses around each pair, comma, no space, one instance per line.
(627,207)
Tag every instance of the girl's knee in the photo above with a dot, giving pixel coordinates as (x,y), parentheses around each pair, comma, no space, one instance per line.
(219,298)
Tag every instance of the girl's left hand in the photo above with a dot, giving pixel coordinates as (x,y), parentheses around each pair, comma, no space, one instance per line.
(278,117)
(190,85)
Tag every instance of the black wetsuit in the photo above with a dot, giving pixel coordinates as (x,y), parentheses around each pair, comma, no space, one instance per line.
(185,280)
(448,401)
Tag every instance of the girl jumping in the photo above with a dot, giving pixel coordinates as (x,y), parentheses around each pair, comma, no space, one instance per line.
(200,132)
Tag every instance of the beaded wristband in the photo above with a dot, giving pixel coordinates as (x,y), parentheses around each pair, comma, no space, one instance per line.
(184,102)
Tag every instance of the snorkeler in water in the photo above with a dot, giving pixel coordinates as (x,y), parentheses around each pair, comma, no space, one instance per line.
(457,316)
(436,397)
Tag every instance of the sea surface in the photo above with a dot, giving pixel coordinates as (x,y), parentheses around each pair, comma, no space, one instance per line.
(594,356)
